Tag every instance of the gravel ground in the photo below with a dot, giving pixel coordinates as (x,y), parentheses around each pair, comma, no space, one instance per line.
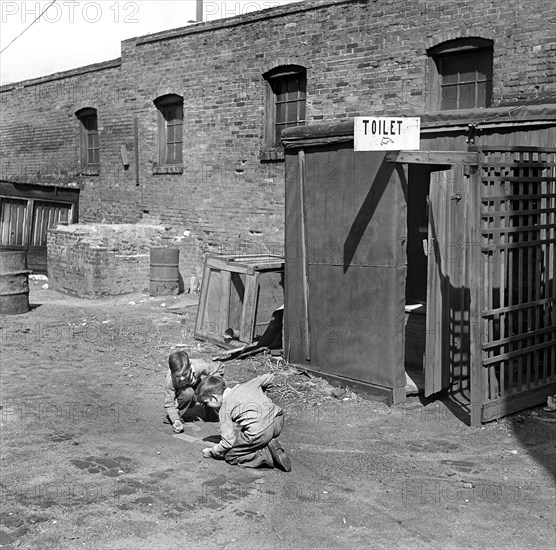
(87,462)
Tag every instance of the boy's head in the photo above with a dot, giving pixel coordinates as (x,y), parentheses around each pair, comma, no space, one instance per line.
(180,366)
(210,390)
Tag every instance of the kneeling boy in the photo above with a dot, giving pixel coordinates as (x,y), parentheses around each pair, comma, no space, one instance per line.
(249,423)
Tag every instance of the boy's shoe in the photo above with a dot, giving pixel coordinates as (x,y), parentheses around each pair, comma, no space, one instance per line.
(280,457)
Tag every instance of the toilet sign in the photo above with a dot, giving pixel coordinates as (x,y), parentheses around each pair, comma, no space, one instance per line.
(386,133)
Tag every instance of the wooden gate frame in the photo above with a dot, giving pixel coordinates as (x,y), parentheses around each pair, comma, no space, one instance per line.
(481,409)
(444,160)
(485,408)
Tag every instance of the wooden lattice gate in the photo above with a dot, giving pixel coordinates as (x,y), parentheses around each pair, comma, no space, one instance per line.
(516,339)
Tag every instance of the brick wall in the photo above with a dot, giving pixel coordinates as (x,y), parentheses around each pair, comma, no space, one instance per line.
(362,57)
(95,260)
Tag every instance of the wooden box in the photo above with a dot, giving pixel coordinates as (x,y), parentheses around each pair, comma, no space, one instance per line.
(238,296)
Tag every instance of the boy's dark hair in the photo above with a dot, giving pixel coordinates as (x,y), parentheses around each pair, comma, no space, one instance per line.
(177,361)
(209,386)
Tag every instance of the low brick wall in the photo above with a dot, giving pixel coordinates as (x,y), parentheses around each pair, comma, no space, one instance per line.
(94,260)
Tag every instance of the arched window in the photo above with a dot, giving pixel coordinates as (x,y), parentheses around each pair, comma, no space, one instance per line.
(170,129)
(88,140)
(461,74)
(285,101)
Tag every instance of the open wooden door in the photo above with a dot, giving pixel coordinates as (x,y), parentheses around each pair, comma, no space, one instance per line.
(438,283)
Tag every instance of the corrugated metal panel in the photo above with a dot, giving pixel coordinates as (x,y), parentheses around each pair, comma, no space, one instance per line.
(45,216)
(13,216)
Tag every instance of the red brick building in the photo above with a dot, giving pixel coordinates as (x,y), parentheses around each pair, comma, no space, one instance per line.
(183,127)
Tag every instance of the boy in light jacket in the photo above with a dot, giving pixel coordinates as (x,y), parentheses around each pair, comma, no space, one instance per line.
(249,423)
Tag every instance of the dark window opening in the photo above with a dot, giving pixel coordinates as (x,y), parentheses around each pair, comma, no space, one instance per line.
(170,129)
(89,139)
(462,75)
(286,99)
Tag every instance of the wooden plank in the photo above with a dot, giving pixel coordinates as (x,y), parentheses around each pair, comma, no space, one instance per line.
(514,148)
(550,283)
(517,402)
(516,353)
(305,279)
(514,230)
(490,312)
(225,284)
(247,327)
(522,190)
(434,157)
(517,163)
(237,296)
(513,338)
(431,335)
(475,282)
(262,266)
(515,213)
(199,330)
(224,266)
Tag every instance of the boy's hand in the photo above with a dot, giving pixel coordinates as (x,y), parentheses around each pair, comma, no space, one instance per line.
(207,453)
(178,426)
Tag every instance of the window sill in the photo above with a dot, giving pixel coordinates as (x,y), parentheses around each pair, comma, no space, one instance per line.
(89,172)
(272,154)
(167,169)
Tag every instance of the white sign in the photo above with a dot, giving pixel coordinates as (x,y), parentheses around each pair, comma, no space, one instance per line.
(386,133)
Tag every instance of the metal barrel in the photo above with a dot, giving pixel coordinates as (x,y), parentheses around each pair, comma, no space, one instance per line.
(14,282)
(164,272)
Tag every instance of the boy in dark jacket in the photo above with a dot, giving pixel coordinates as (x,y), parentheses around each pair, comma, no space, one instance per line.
(179,388)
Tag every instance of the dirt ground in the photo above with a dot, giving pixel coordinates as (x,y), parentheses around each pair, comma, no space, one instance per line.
(87,462)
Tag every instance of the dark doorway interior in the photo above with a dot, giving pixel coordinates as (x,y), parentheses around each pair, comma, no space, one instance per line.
(416,282)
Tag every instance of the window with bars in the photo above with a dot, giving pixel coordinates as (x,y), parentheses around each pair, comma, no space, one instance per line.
(89,140)
(461,75)
(170,129)
(285,104)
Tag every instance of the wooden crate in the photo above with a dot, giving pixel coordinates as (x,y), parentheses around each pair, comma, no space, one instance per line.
(238,297)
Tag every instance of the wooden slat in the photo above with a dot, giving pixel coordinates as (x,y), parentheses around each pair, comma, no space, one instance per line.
(515,403)
(434,157)
(249,308)
(517,307)
(514,149)
(224,266)
(479,390)
(304,266)
(199,324)
(513,230)
(516,338)
(516,213)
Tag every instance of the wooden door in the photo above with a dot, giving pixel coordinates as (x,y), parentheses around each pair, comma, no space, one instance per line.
(13,222)
(436,355)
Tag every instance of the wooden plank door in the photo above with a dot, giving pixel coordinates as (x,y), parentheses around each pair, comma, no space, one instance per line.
(436,355)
